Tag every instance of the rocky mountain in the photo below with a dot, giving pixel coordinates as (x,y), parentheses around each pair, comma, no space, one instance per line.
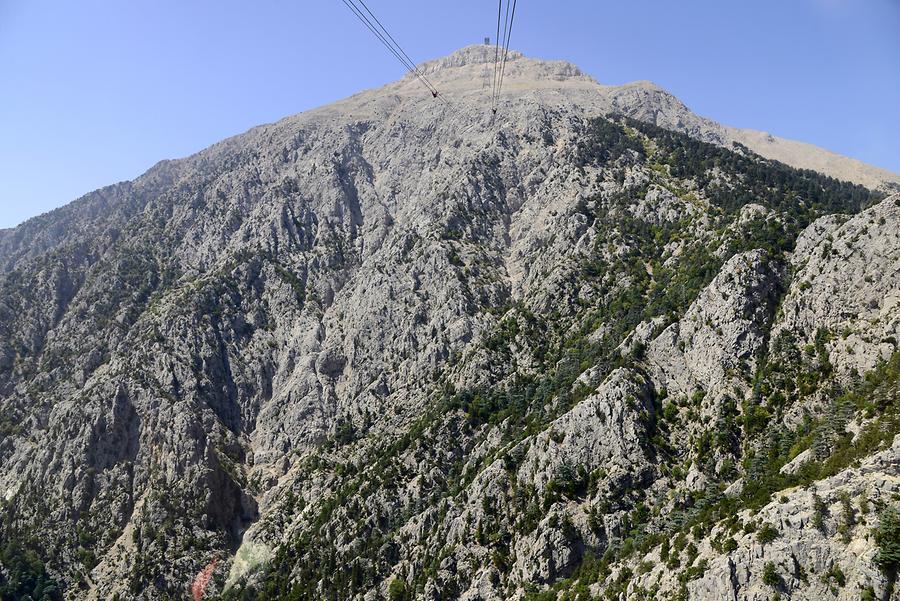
(595,347)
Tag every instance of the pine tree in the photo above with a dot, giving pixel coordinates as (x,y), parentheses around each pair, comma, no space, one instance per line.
(887,537)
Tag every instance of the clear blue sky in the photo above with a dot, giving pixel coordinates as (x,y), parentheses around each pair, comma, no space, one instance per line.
(96,91)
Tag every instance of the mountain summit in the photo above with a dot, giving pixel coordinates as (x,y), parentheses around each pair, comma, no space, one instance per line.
(466,73)
(395,348)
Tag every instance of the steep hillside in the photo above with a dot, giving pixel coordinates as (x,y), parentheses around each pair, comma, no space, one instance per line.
(394,349)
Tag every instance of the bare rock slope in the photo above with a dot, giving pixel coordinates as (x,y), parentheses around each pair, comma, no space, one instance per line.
(391,348)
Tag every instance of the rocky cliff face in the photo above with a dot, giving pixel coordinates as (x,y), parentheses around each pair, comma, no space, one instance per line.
(390,348)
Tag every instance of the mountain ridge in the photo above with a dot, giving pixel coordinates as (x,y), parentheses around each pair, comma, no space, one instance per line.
(791,152)
(388,349)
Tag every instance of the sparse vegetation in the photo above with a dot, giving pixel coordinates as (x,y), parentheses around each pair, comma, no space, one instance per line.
(770,575)
(766,534)
(887,537)
(474,438)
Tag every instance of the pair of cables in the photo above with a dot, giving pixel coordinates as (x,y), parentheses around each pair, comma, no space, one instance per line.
(368,18)
(506,15)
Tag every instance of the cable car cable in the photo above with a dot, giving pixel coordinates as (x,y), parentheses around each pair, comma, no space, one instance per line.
(394,48)
(506,51)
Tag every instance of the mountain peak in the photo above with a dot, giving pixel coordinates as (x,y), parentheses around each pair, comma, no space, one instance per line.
(476,54)
(481,56)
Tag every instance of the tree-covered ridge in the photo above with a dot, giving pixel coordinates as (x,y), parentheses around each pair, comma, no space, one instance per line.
(878,394)
(633,277)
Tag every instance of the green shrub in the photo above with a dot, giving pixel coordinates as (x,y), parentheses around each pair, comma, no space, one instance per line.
(644,567)
(767,533)
(887,537)
(819,511)
(834,576)
(770,575)
(848,518)
(397,590)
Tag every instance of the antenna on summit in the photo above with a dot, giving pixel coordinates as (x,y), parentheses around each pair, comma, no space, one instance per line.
(487,42)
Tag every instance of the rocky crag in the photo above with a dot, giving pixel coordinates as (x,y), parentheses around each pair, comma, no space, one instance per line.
(598,347)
